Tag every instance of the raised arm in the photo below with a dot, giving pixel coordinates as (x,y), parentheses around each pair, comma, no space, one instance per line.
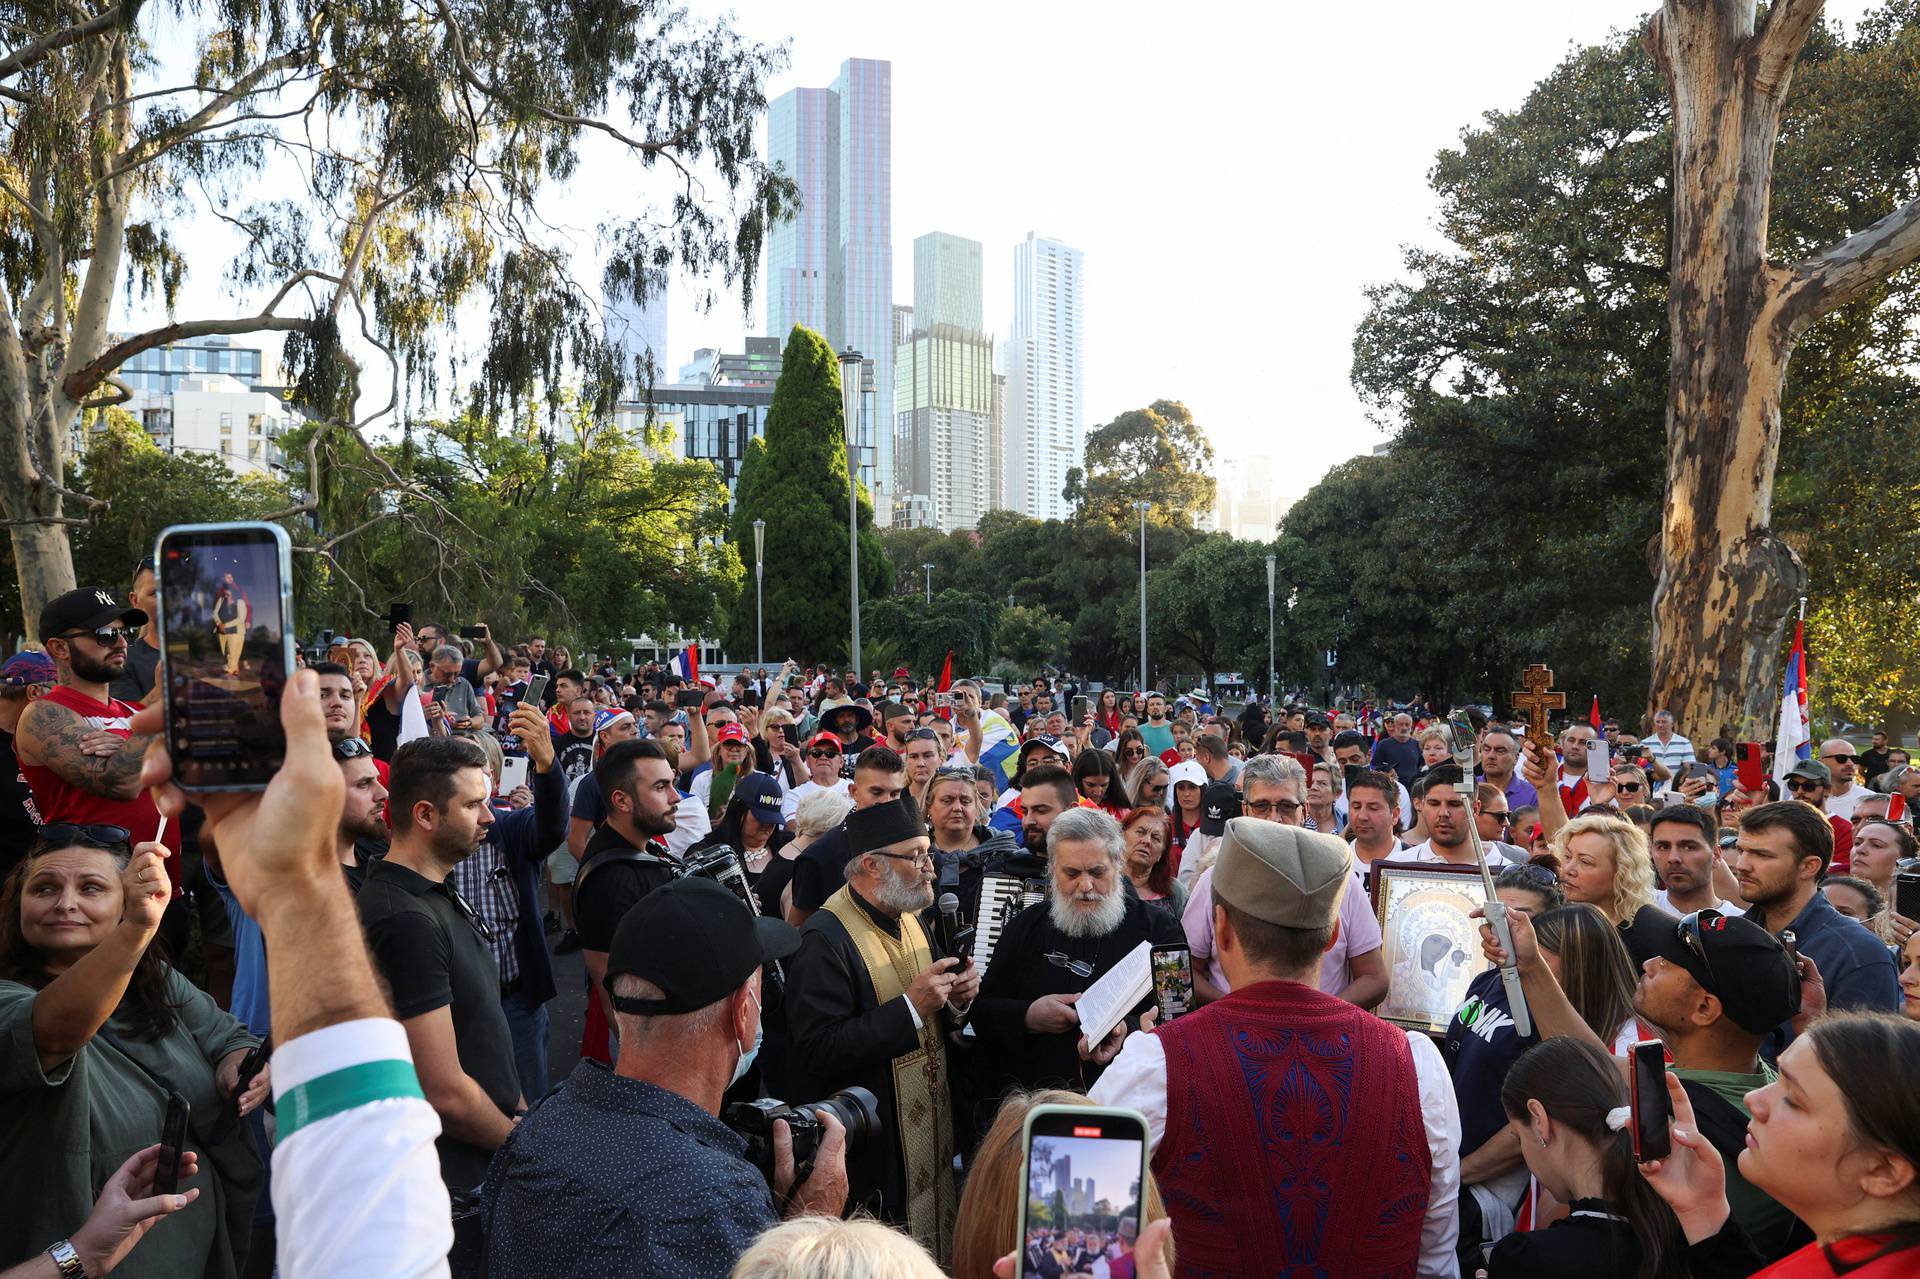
(52,735)
(1537,767)
(74,1005)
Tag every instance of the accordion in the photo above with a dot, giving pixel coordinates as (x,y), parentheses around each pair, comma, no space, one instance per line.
(725,867)
(1001,898)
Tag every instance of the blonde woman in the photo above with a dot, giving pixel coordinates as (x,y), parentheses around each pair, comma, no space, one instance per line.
(827,1248)
(1605,863)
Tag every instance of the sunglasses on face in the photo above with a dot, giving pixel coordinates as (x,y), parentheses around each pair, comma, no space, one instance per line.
(1844,759)
(1628,787)
(106,636)
(823,754)
(1797,785)
(351,748)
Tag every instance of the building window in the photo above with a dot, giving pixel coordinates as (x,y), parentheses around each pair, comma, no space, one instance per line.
(226,421)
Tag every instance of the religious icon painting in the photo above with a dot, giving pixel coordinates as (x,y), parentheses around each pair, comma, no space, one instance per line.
(1429,939)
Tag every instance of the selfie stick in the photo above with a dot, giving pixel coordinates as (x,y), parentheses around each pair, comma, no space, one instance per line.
(1460,730)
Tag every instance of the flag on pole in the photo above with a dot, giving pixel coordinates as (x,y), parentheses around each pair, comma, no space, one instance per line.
(686,664)
(1793,737)
(1593,716)
(945,684)
(413,718)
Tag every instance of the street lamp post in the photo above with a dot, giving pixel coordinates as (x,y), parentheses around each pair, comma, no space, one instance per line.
(1142,508)
(929,569)
(1271,699)
(759,596)
(850,409)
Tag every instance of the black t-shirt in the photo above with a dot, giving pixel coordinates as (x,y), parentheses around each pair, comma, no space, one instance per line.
(136,681)
(1873,763)
(574,757)
(19,819)
(383,726)
(608,886)
(1480,1046)
(433,956)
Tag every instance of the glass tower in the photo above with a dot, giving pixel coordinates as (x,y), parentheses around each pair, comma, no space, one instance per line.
(1045,428)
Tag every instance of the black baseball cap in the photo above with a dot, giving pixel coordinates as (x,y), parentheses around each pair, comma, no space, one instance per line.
(1219,804)
(87,609)
(1735,960)
(697,942)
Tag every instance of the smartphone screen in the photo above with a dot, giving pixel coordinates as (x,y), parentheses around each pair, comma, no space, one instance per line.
(1749,756)
(1083,1168)
(1172,981)
(226,631)
(1652,1108)
(173,1144)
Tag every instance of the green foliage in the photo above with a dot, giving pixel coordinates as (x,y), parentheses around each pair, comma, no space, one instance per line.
(1525,366)
(795,478)
(904,630)
(1157,455)
(1031,637)
(1207,611)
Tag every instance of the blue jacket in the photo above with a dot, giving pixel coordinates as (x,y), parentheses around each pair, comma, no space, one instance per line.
(1855,966)
(525,838)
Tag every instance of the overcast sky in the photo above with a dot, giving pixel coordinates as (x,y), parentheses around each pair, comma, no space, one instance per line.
(1236,177)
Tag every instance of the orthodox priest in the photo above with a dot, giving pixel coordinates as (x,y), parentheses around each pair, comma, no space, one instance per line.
(1051,952)
(869,1002)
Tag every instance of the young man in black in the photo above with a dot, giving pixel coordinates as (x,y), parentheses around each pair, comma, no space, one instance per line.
(624,859)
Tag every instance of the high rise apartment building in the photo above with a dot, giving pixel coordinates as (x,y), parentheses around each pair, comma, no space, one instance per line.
(1045,425)
(944,389)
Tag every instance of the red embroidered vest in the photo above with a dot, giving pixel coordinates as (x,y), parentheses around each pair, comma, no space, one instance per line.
(1294,1141)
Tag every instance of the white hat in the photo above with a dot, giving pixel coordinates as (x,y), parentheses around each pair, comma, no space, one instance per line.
(1187,770)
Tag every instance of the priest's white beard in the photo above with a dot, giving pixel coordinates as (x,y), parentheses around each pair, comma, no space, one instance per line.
(1072,920)
(903,897)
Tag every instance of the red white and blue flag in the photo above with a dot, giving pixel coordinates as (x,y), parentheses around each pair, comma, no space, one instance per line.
(686,664)
(1793,737)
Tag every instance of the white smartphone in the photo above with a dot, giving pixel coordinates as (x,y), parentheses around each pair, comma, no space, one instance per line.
(1082,1166)
(1599,760)
(513,773)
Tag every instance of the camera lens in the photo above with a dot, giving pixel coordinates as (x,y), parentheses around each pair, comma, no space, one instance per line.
(858,1112)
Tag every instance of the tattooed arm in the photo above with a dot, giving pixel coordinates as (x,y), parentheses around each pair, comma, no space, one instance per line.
(56,737)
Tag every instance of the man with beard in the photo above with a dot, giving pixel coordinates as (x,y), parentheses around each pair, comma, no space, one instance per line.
(428,942)
(625,858)
(66,740)
(361,838)
(869,1002)
(879,776)
(1051,953)
(575,746)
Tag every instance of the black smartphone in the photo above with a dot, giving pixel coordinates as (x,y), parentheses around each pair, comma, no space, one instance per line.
(1349,774)
(226,630)
(1652,1107)
(173,1145)
(1172,981)
(1080,708)
(688,698)
(792,733)
(473,632)
(536,689)
(1906,894)
(249,1068)
(399,613)
(1790,942)
(962,946)
(1081,1166)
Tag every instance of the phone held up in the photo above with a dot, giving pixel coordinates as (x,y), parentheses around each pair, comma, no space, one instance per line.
(227,635)
(1104,1148)
(1749,766)
(1906,893)
(173,1145)
(1652,1107)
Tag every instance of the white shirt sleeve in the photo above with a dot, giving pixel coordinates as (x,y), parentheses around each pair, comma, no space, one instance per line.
(691,825)
(1137,1079)
(357,1188)
(1440,1113)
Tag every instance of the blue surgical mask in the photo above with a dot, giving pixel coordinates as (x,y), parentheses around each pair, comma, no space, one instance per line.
(748,1054)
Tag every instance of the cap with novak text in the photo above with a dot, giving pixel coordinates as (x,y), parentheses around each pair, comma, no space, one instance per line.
(1739,963)
(87,609)
(1286,875)
(697,942)
(761,794)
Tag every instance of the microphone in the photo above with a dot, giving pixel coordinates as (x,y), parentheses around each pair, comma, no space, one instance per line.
(949,921)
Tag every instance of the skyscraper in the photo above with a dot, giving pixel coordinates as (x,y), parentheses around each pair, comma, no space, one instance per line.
(948,275)
(831,267)
(1045,428)
(639,332)
(943,397)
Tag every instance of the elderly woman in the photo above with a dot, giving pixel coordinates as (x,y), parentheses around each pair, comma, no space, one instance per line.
(1148,867)
(98,1031)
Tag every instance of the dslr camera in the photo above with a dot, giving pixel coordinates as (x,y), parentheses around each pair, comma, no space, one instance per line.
(856,1109)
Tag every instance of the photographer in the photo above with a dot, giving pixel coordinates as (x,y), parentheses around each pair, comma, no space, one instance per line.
(628,1171)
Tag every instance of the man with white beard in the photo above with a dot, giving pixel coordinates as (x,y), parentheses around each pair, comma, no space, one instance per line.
(1051,952)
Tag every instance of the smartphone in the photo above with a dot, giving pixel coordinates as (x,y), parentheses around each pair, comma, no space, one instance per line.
(1599,760)
(963,946)
(1080,708)
(1349,773)
(1906,894)
(249,1068)
(1897,810)
(400,613)
(473,632)
(689,698)
(173,1145)
(440,694)
(792,733)
(226,631)
(942,701)
(1790,942)
(1172,981)
(1652,1108)
(1749,766)
(1074,1159)
(513,773)
(536,689)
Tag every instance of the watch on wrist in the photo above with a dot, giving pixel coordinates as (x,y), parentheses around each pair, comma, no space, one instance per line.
(67,1259)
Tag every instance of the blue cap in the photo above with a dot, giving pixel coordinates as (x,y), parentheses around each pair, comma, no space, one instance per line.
(761,794)
(23,669)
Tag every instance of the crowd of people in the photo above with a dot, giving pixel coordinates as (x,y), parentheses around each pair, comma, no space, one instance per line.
(836,930)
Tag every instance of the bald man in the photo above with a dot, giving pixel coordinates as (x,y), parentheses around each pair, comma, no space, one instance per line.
(1839,755)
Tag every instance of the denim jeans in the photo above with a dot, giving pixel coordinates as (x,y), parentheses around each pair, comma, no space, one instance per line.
(528,1022)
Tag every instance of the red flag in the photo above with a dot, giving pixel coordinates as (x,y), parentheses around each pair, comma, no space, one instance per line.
(944,684)
(1593,716)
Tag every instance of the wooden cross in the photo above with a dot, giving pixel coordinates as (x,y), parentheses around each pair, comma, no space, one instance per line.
(1537,702)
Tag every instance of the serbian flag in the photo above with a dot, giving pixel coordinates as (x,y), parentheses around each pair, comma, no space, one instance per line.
(1793,737)
(1593,716)
(686,664)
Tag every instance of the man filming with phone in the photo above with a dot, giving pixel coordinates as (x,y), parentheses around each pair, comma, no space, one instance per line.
(454,700)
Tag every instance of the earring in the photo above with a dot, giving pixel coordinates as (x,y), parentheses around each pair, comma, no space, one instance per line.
(1543,1143)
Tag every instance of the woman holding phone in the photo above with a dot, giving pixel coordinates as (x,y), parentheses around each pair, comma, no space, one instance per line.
(99,1030)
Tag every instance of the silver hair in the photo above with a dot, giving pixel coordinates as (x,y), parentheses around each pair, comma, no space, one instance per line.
(1273,770)
(820,812)
(448,653)
(1088,825)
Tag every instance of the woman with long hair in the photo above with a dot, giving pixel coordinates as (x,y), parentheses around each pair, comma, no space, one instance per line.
(100,1031)
(1566,1103)
(1107,714)
(1147,831)
(1586,956)
(1147,783)
(1097,778)
(1188,780)
(1129,749)
(1604,862)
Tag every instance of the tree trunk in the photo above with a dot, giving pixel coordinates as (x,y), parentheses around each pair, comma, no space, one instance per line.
(1725,582)
(42,555)
(44,561)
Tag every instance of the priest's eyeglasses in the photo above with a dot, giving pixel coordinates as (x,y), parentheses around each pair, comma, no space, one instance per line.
(925,859)
(1078,967)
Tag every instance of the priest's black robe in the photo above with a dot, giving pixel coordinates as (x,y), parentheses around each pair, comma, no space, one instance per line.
(1021,972)
(841,1038)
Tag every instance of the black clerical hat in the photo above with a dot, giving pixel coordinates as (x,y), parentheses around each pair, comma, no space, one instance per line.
(883,825)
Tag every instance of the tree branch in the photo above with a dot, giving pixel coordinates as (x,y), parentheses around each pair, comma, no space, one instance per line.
(1777,45)
(83,379)
(1840,274)
(24,59)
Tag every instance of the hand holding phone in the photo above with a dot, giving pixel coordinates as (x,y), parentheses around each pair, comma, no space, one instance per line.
(1748,771)
(1651,1108)
(173,1144)
(1109,1144)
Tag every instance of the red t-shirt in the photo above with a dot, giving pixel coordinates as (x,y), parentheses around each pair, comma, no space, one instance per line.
(60,801)
(1811,1261)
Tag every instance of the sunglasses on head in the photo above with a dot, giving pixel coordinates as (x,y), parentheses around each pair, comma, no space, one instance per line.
(59,834)
(1688,930)
(1538,874)
(351,748)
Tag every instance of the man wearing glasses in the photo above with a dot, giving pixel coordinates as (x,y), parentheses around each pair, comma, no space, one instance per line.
(75,744)
(1843,761)
(823,773)
(1811,782)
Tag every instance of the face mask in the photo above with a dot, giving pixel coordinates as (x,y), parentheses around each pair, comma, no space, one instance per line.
(748,1054)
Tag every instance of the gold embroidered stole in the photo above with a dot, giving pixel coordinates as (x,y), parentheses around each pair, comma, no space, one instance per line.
(922,1114)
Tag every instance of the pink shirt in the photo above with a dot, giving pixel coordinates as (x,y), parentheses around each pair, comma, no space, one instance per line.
(1359,933)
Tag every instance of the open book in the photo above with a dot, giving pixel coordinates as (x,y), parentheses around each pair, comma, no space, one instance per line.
(1107,1000)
